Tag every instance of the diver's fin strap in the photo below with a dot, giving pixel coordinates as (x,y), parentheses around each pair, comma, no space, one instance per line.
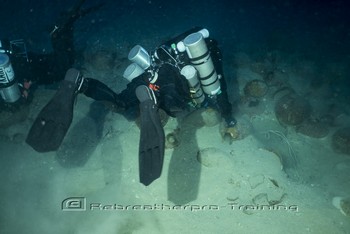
(79,82)
(77,79)
(144,96)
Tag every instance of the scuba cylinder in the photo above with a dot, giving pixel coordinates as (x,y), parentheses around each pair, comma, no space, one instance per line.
(132,71)
(188,48)
(141,62)
(140,56)
(200,58)
(190,73)
(9,89)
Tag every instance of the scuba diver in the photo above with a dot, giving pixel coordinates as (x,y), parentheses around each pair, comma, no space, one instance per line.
(181,75)
(21,71)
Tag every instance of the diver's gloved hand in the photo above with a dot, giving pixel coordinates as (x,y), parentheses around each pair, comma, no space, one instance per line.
(231,122)
(231,132)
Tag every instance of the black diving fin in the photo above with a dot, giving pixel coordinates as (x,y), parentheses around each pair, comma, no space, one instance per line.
(53,121)
(152,137)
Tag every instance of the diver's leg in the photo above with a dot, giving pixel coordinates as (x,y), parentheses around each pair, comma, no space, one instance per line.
(100,92)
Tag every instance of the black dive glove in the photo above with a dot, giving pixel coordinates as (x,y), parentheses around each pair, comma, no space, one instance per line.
(231,122)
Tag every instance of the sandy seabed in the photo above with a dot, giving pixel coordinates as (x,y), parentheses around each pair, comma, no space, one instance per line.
(207,185)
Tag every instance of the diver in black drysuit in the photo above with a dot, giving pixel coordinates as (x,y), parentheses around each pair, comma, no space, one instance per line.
(173,91)
(161,86)
(33,69)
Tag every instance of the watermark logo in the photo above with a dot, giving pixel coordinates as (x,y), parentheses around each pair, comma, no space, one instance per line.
(80,204)
(74,204)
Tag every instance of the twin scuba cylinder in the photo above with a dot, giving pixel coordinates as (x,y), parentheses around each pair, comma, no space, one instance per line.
(197,68)
(141,61)
(9,90)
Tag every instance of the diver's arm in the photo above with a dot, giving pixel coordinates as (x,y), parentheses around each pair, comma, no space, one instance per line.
(224,106)
(221,100)
(221,103)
